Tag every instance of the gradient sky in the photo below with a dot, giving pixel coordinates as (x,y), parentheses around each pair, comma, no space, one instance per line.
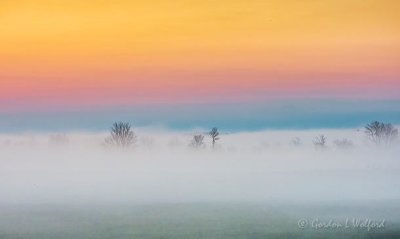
(83,56)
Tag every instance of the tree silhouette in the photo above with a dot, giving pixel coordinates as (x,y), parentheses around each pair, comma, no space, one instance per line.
(381,133)
(197,141)
(320,142)
(122,135)
(214,135)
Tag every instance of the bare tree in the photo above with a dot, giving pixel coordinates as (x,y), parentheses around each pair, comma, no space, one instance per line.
(122,135)
(343,143)
(214,135)
(381,133)
(197,141)
(320,142)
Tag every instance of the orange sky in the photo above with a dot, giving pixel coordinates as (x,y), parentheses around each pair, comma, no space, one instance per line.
(143,51)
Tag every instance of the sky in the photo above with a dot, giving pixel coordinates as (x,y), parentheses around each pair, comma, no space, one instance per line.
(176,63)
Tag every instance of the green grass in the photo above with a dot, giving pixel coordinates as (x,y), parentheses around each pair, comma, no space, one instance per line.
(201,220)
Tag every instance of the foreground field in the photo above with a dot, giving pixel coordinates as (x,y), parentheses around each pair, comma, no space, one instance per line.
(196,220)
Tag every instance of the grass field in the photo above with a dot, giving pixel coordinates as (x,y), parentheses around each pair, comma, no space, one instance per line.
(195,220)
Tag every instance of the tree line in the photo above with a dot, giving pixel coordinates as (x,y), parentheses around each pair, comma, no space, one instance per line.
(122,135)
(379,133)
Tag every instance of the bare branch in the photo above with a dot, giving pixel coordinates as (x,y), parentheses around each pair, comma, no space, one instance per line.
(122,135)
(197,141)
(381,133)
(320,142)
(214,135)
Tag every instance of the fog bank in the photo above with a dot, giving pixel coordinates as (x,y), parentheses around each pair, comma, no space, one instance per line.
(244,167)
